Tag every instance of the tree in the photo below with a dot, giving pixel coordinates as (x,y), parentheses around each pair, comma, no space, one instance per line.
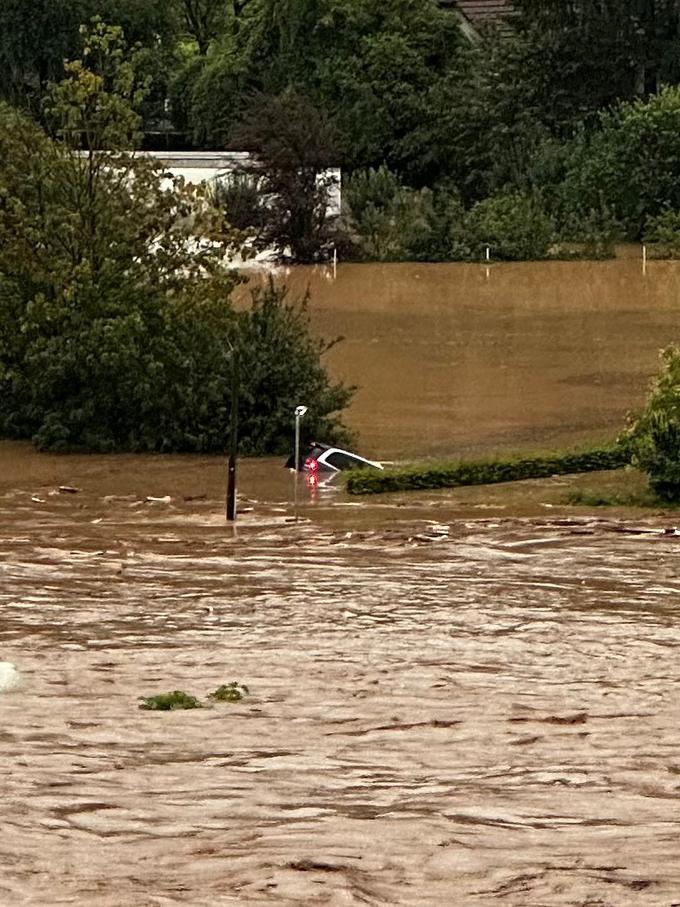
(35,38)
(115,317)
(582,56)
(369,65)
(295,147)
(484,130)
(204,20)
(629,165)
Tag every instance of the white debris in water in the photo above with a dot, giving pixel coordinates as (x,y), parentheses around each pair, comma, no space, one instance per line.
(10,678)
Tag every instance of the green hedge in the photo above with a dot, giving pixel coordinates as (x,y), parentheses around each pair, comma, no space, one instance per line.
(485,472)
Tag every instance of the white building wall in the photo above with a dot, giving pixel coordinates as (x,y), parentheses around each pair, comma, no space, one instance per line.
(210,166)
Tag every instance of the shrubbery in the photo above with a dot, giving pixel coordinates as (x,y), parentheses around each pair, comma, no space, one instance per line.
(514,225)
(388,219)
(485,472)
(654,437)
(662,233)
(392,222)
(617,180)
(629,164)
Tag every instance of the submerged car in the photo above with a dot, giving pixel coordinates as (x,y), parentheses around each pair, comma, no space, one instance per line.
(323,458)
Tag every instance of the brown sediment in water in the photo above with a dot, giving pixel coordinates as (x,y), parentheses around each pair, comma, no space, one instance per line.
(456,698)
(448,359)
(443,708)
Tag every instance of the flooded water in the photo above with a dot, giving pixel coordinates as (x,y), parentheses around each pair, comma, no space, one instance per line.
(449,359)
(456,698)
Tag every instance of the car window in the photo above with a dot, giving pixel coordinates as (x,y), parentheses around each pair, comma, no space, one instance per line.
(342,461)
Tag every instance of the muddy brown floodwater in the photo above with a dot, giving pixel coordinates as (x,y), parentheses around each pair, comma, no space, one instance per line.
(455,698)
(449,359)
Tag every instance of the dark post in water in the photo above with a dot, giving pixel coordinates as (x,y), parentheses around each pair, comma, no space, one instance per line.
(233,440)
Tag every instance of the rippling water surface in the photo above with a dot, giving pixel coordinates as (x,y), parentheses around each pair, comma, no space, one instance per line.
(455,699)
(444,708)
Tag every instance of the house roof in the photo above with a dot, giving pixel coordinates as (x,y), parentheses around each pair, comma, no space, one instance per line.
(479,11)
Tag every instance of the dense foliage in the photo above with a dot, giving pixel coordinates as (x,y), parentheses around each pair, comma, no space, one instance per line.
(117,330)
(654,437)
(565,117)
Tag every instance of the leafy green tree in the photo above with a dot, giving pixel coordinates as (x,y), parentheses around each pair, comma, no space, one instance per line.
(582,56)
(484,130)
(116,326)
(204,20)
(629,165)
(369,64)
(36,36)
(295,147)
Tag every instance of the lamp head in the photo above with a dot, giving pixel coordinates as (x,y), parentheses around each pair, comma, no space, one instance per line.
(300,411)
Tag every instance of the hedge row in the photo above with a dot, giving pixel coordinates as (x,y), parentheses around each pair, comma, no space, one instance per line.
(485,472)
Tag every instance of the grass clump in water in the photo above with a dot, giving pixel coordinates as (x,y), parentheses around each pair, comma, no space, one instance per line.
(584,497)
(168,702)
(229,692)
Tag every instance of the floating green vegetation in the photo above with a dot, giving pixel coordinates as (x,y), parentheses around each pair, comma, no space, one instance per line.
(585,497)
(168,702)
(229,692)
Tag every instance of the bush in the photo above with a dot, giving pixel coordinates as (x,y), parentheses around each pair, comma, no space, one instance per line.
(386,216)
(485,472)
(662,233)
(281,367)
(392,222)
(169,702)
(590,235)
(229,692)
(654,437)
(241,197)
(514,225)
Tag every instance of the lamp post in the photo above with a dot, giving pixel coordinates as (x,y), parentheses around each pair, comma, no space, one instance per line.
(300,411)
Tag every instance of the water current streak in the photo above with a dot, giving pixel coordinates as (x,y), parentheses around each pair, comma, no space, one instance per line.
(480,712)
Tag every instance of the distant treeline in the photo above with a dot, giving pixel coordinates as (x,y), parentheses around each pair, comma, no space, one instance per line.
(559,135)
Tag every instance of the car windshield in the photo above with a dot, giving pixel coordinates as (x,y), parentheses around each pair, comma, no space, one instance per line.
(341,460)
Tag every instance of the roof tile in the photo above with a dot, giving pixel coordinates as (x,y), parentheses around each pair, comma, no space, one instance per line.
(479,10)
